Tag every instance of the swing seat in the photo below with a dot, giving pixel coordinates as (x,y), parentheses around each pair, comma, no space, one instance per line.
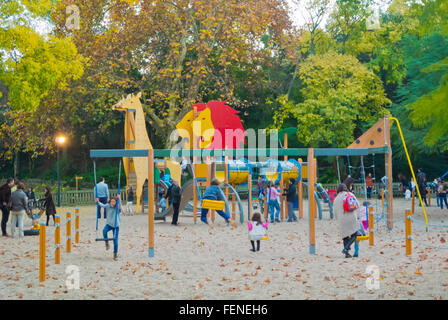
(213,204)
(104,239)
(362,238)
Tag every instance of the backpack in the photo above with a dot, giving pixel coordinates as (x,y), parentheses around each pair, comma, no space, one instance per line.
(350,203)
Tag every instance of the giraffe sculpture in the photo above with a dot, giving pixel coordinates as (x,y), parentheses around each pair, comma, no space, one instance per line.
(136,137)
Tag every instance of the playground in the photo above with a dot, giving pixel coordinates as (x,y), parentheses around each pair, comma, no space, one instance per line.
(223,150)
(219,264)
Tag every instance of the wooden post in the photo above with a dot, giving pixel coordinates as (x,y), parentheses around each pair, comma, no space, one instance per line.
(249,196)
(382,197)
(408,224)
(371,227)
(211,212)
(311,199)
(151,201)
(57,240)
(390,194)
(315,181)
(195,195)
(194,145)
(226,180)
(300,194)
(233,205)
(281,200)
(429,196)
(42,236)
(76,225)
(413,201)
(68,232)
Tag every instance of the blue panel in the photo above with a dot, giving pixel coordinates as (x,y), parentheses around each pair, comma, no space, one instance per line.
(151,252)
(118,153)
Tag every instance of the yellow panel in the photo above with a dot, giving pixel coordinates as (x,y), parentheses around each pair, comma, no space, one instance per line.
(175,170)
(213,204)
(201,170)
(304,171)
(361,238)
(220,176)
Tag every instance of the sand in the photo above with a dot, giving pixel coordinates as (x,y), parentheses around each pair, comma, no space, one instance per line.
(193,261)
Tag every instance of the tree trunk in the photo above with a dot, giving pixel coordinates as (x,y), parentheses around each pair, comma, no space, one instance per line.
(16,165)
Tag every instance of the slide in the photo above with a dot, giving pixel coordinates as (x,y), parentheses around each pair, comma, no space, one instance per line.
(187,196)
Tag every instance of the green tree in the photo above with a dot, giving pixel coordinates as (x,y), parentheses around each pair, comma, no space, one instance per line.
(338,91)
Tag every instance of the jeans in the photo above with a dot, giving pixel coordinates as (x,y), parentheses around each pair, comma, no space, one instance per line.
(348,241)
(5,217)
(103,200)
(116,230)
(129,207)
(271,205)
(438,200)
(443,199)
(17,216)
(291,214)
(369,192)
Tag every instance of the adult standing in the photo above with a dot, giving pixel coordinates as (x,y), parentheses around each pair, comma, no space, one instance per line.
(102,194)
(290,194)
(50,208)
(421,176)
(349,183)
(19,207)
(5,198)
(175,197)
(129,201)
(369,185)
(349,224)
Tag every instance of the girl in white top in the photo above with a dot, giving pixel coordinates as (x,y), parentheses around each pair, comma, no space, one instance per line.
(257,230)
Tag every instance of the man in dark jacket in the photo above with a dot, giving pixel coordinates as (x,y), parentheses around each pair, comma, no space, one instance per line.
(290,194)
(175,195)
(5,197)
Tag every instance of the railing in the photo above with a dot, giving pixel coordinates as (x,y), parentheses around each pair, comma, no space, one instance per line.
(81,197)
(86,197)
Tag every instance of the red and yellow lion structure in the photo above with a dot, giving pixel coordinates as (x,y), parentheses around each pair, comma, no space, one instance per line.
(216,126)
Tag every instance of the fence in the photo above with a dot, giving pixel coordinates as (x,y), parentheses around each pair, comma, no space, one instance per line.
(86,197)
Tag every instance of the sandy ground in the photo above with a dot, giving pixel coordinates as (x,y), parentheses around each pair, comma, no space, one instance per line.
(193,261)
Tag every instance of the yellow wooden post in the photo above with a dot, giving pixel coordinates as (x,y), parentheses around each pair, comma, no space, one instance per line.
(282,207)
(408,224)
(249,182)
(195,196)
(315,181)
(312,200)
(300,194)
(371,227)
(68,232)
(42,244)
(233,205)
(151,201)
(76,225)
(211,212)
(57,240)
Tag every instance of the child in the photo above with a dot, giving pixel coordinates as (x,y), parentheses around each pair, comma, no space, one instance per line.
(273,193)
(162,203)
(407,194)
(363,212)
(214,193)
(257,230)
(113,221)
